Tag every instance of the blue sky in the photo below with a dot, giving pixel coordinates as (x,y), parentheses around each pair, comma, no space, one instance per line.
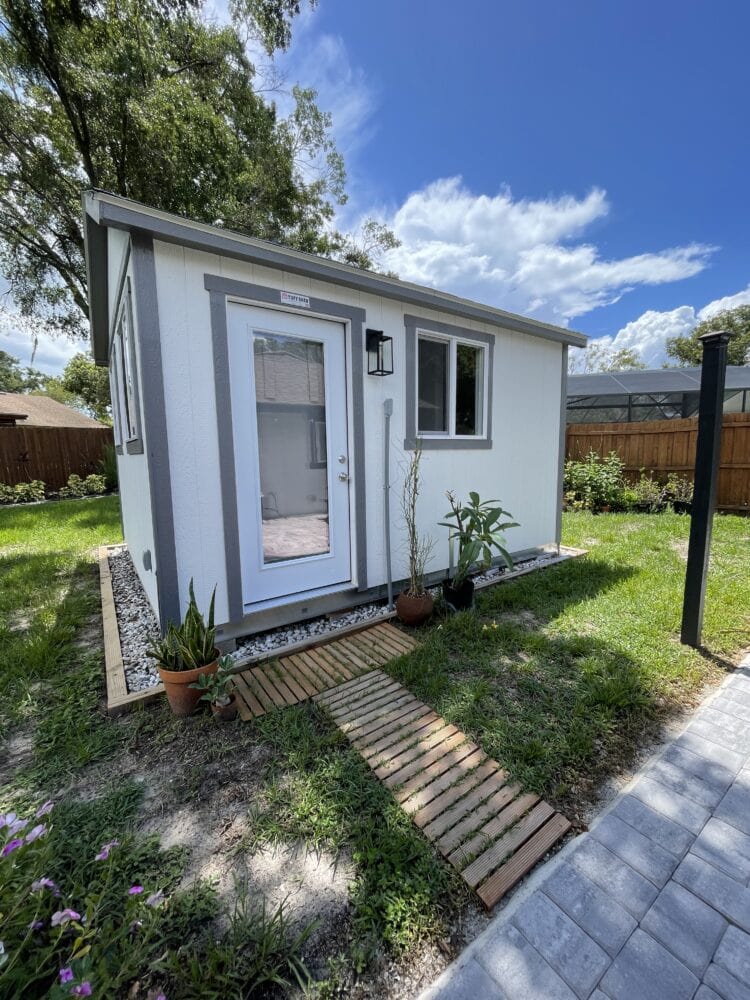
(583,162)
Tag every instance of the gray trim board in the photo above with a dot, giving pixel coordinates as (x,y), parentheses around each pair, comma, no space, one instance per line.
(121,213)
(155,419)
(563,438)
(412,324)
(97,284)
(220,288)
(134,445)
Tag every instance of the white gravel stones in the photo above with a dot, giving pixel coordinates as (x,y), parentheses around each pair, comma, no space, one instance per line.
(135,620)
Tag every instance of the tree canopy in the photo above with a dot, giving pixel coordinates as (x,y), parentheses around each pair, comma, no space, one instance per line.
(688,350)
(82,384)
(151,100)
(601,358)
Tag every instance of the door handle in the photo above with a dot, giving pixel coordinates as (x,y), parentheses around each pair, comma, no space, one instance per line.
(343,477)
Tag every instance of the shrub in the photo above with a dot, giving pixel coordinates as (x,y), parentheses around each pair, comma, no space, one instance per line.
(22,492)
(594,482)
(108,468)
(647,493)
(93,485)
(678,488)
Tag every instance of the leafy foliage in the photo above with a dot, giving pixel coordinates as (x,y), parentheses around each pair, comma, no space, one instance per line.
(688,350)
(477,529)
(92,486)
(600,358)
(190,645)
(152,100)
(31,492)
(14,378)
(595,482)
(215,688)
(108,468)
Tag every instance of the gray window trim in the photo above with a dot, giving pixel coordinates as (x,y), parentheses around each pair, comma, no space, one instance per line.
(220,289)
(412,325)
(147,333)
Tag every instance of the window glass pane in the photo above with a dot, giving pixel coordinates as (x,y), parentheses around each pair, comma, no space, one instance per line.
(469,389)
(432,385)
(127,374)
(293,452)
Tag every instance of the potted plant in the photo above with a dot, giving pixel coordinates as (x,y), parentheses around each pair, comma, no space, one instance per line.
(679,492)
(414,604)
(215,689)
(186,652)
(476,527)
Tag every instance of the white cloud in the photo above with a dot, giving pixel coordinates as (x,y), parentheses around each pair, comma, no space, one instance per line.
(525,255)
(648,334)
(49,354)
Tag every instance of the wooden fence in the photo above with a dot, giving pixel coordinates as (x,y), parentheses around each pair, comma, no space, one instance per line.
(50,453)
(665,446)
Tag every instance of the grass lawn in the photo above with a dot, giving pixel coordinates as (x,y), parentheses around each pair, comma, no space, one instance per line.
(561,675)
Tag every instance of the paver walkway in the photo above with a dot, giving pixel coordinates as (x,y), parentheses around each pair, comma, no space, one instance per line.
(654,902)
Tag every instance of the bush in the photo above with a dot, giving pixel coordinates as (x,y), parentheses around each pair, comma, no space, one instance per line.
(93,485)
(108,468)
(22,492)
(647,493)
(595,482)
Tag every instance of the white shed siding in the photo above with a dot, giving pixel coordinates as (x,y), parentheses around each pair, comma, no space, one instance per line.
(132,470)
(521,469)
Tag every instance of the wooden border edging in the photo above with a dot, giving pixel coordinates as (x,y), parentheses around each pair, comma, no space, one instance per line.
(119,700)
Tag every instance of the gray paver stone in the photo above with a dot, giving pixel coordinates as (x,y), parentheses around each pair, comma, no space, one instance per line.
(710,751)
(646,970)
(671,804)
(466,982)
(726,723)
(720,734)
(667,834)
(715,888)
(631,890)
(724,983)
(734,808)
(561,942)
(638,851)
(732,703)
(591,907)
(734,954)
(726,848)
(710,771)
(519,969)
(685,783)
(686,926)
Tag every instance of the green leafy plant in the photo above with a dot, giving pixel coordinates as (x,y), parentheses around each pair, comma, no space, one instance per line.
(678,488)
(215,688)
(31,492)
(420,546)
(648,492)
(93,485)
(190,645)
(594,482)
(476,528)
(108,468)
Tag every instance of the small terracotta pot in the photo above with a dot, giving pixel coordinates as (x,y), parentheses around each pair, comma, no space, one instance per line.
(414,610)
(183,699)
(225,713)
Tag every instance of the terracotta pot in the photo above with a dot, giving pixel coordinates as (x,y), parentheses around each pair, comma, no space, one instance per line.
(225,713)
(414,610)
(459,598)
(183,699)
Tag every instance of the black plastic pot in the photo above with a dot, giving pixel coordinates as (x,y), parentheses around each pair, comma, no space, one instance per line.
(459,598)
(682,506)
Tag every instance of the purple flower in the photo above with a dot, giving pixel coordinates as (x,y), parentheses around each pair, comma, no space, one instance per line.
(106,848)
(38,831)
(66,974)
(17,825)
(43,883)
(135,890)
(155,899)
(7,819)
(84,990)
(61,917)
(36,925)
(43,810)
(11,846)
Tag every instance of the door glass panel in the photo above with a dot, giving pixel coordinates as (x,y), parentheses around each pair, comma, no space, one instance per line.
(292,449)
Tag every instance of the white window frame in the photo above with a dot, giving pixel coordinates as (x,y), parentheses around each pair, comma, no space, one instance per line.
(453,340)
(126,402)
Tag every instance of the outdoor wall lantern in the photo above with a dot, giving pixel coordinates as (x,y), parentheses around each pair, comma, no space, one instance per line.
(379,353)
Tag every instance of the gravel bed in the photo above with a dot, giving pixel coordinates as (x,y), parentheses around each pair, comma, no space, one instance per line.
(135,620)
(138,627)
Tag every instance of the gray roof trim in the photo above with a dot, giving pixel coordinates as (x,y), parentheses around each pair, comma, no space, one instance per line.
(122,213)
(97,281)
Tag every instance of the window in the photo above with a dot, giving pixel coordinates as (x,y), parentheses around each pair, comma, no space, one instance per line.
(125,403)
(450,386)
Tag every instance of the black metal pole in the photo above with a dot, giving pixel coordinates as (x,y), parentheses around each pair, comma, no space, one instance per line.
(707,452)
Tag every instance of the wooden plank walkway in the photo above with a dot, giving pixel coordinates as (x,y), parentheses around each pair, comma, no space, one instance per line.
(309,672)
(464,802)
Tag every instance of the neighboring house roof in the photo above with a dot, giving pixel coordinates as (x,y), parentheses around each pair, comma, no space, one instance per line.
(102,210)
(40,411)
(657,380)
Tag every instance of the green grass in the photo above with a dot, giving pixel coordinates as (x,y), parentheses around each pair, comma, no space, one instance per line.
(563,674)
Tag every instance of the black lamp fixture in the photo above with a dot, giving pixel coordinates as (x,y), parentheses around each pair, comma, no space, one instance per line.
(379,353)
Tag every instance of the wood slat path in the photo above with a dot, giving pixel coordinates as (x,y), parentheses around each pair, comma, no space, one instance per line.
(464,802)
(294,678)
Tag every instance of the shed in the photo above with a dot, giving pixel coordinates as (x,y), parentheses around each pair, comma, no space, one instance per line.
(250,436)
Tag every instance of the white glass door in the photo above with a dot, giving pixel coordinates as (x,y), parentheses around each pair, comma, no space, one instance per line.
(288,379)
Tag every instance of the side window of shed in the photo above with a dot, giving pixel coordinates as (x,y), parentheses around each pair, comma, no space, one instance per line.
(115,389)
(126,376)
